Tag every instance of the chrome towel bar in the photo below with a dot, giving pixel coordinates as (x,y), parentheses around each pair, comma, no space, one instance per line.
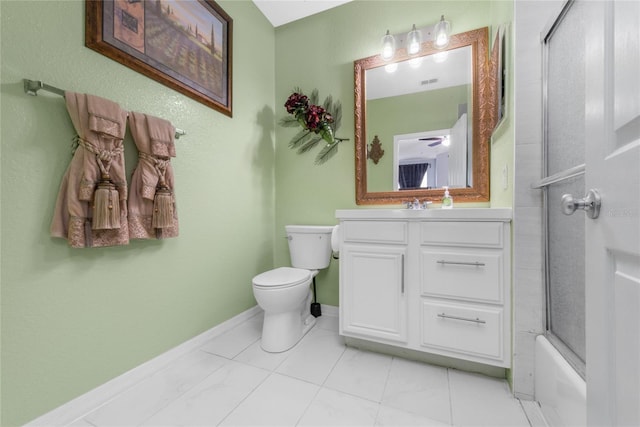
(560,176)
(31,87)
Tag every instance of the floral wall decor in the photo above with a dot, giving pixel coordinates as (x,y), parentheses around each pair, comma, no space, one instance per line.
(318,123)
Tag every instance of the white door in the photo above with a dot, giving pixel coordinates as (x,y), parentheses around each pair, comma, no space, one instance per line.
(613,239)
(458,153)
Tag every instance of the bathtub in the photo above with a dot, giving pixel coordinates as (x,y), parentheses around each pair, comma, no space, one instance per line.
(560,391)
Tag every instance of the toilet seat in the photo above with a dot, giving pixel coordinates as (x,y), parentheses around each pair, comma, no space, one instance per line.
(282,277)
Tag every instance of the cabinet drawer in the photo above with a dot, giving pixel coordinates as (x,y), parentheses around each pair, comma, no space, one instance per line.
(375,231)
(468,329)
(470,274)
(480,234)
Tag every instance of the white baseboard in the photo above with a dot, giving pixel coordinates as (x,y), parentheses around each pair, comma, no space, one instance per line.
(82,405)
(329,310)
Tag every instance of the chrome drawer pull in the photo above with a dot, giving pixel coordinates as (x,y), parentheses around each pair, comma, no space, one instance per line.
(466,319)
(476,264)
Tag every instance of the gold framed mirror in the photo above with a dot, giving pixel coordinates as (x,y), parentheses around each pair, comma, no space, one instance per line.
(386,109)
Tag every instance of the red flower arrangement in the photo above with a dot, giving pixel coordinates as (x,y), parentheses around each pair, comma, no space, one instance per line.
(317,123)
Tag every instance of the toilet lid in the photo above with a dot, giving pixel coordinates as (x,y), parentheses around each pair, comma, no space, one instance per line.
(282,277)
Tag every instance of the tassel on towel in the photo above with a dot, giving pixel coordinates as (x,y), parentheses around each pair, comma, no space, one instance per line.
(162,208)
(106,206)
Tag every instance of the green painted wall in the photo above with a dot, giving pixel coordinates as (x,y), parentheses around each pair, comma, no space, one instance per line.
(73,319)
(503,139)
(433,110)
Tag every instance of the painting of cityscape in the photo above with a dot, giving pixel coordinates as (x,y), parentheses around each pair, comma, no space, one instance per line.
(184,44)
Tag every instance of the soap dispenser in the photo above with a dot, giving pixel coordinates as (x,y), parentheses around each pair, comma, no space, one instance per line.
(447,200)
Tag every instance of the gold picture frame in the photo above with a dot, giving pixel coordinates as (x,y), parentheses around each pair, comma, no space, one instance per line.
(185,45)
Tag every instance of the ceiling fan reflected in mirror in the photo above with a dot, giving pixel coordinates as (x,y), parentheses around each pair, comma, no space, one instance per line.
(436,140)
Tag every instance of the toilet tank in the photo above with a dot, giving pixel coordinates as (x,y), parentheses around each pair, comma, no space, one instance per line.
(309,246)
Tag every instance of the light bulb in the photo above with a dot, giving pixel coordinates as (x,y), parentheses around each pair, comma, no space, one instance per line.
(388,46)
(415,62)
(414,40)
(442,30)
(391,68)
(440,57)
(446,141)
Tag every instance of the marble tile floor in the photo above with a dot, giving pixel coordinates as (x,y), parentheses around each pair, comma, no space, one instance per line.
(231,381)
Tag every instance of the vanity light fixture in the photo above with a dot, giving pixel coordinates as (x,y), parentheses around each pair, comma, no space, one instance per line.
(388,46)
(442,31)
(412,41)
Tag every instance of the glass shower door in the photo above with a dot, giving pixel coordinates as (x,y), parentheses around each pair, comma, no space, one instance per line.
(564,115)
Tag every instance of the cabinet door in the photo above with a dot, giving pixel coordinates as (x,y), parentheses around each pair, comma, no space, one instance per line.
(373,299)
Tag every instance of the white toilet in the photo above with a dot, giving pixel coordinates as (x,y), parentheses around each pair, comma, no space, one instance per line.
(284,293)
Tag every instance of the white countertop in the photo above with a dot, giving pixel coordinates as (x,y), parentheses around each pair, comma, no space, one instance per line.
(455,214)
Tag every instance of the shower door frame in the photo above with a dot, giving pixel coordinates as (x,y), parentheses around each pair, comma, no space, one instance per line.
(572,358)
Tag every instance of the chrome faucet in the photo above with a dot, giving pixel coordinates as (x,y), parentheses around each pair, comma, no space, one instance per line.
(416,205)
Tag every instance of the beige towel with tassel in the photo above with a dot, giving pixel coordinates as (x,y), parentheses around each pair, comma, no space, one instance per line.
(152,203)
(91,208)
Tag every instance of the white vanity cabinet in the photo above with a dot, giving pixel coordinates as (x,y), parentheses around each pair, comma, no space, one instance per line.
(436,281)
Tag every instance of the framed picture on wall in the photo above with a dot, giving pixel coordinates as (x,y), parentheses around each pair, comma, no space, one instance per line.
(499,66)
(183,44)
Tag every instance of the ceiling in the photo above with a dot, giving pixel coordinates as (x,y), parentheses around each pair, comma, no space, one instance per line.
(280,12)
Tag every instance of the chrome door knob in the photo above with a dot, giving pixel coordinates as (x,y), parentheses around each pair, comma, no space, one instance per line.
(590,204)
